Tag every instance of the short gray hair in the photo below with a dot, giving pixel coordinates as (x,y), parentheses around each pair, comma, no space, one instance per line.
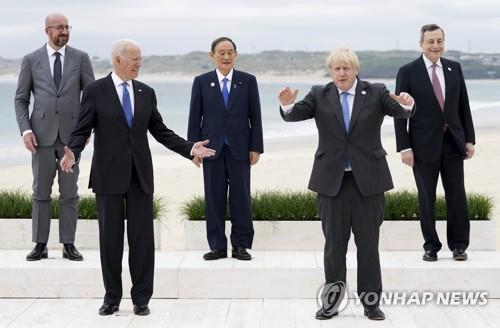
(343,54)
(119,47)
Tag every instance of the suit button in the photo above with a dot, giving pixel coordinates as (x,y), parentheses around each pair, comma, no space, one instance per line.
(57,96)
(57,112)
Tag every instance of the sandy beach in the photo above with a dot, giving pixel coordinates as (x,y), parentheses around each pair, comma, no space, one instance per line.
(286,164)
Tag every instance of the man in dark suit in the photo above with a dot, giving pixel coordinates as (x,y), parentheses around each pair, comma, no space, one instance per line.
(55,74)
(121,111)
(437,140)
(350,172)
(225,108)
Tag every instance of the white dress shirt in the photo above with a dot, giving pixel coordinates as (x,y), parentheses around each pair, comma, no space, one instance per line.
(439,73)
(52,58)
(221,77)
(117,81)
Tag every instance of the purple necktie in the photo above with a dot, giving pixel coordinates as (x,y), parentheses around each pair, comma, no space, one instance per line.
(436,86)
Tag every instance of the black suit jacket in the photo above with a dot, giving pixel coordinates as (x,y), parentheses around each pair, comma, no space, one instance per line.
(241,122)
(116,146)
(424,134)
(362,145)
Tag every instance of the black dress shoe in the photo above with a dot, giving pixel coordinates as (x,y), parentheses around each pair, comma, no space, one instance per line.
(459,254)
(108,309)
(70,252)
(430,256)
(374,313)
(215,254)
(39,252)
(321,315)
(241,253)
(141,309)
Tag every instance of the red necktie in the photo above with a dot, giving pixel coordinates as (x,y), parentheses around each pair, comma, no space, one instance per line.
(436,86)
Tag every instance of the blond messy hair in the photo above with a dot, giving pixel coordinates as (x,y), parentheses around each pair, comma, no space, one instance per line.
(343,54)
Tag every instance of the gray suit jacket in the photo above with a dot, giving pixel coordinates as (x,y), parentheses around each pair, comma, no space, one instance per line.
(55,112)
(362,145)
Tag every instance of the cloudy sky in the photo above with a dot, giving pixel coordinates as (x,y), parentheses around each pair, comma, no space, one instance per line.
(181,26)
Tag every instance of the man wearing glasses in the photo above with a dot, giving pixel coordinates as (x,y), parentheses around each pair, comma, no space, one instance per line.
(55,74)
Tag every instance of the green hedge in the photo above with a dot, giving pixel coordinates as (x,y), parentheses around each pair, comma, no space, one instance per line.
(301,206)
(17,204)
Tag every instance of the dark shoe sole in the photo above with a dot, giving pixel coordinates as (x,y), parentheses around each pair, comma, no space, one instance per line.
(214,258)
(44,256)
(324,317)
(378,318)
(240,258)
(65,256)
(460,258)
(429,259)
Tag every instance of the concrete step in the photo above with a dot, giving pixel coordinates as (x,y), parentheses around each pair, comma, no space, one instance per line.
(271,274)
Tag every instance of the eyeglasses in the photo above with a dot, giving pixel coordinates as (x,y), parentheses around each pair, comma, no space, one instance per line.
(61,28)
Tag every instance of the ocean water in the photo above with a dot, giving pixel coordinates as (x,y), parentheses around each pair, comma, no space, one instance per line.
(173,103)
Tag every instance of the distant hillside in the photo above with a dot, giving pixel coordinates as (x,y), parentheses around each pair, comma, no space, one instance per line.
(374,64)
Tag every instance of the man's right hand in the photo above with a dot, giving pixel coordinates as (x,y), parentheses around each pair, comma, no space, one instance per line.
(68,160)
(30,143)
(407,157)
(287,96)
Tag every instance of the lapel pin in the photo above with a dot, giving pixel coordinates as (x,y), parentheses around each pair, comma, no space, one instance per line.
(239,83)
(140,90)
(363,92)
(212,84)
(449,68)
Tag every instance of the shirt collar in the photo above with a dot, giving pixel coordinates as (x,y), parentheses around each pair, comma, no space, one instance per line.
(220,76)
(51,50)
(117,81)
(352,90)
(429,64)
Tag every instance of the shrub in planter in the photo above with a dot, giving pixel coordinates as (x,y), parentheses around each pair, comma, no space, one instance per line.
(17,204)
(301,206)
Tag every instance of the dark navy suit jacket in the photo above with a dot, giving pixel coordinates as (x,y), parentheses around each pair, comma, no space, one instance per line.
(240,122)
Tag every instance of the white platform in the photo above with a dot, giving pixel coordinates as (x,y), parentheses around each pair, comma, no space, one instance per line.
(271,274)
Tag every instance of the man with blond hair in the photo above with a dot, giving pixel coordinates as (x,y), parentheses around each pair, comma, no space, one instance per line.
(121,111)
(55,74)
(350,173)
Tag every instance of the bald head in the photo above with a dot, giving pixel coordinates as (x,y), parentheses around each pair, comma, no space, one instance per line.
(57,30)
(126,59)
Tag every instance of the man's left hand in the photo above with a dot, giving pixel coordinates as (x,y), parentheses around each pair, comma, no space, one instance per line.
(254,157)
(469,150)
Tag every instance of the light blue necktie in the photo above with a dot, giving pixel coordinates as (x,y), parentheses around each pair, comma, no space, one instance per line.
(345,109)
(225,91)
(126,104)
(345,114)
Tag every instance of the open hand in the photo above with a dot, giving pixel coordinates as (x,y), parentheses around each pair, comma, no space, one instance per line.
(287,96)
(68,160)
(403,99)
(199,149)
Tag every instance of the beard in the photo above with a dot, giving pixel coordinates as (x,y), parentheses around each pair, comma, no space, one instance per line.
(61,40)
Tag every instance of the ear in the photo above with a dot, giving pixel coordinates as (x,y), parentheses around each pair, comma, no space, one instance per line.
(47,30)
(211,55)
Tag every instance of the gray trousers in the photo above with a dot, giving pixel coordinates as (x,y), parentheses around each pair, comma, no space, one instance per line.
(45,164)
(349,209)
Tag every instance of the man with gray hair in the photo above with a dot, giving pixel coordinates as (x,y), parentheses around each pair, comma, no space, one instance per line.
(55,74)
(350,173)
(121,111)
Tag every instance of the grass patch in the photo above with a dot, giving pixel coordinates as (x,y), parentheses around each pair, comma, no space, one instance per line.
(301,206)
(17,204)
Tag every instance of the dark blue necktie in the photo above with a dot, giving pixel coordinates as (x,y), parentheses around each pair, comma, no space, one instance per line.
(225,91)
(345,114)
(126,104)
(57,70)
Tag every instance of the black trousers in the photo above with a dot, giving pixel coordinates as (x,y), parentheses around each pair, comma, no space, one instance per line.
(137,206)
(451,168)
(349,209)
(220,174)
